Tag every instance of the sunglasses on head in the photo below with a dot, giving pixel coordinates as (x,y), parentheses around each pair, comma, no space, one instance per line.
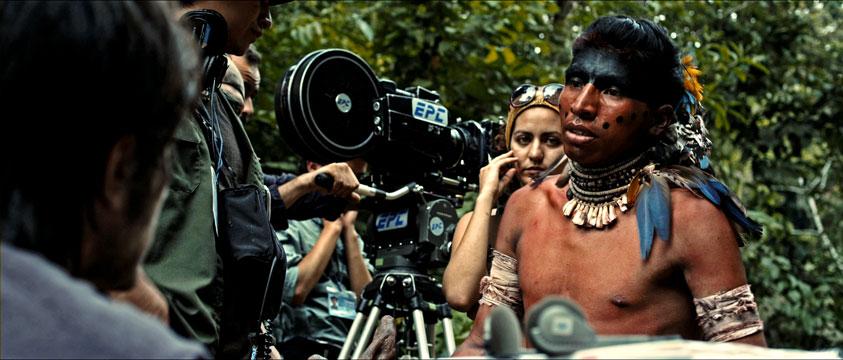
(526,94)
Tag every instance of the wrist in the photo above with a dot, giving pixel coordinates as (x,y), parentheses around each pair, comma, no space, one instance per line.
(307,182)
(485,199)
(349,232)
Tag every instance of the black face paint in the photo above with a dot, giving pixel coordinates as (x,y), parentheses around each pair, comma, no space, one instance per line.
(605,125)
(632,118)
(605,70)
(620,119)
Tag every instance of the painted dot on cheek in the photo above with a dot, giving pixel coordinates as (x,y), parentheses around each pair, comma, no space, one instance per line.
(605,125)
(619,120)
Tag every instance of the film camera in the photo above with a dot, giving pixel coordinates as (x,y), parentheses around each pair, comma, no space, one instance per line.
(331,107)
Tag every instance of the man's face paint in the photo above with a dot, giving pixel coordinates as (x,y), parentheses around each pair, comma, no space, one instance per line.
(604,117)
(605,70)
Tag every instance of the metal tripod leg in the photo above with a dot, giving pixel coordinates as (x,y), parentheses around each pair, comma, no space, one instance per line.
(448,328)
(421,334)
(374,316)
(352,334)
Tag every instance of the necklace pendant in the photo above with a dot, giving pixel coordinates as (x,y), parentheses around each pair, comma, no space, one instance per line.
(612,215)
(569,207)
(579,216)
(595,194)
(599,222)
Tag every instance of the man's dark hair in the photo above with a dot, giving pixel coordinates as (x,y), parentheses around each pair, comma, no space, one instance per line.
(646,47)
(75,78)
(253,57)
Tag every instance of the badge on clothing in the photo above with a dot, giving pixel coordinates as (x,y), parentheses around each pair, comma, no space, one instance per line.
(342,304)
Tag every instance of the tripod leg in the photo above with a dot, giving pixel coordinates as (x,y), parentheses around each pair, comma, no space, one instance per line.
(352,334)
(448,329)
(421,334)
(431,338)
(374,316)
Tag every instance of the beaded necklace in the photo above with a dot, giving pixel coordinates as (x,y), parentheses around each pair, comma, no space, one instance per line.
(595,193)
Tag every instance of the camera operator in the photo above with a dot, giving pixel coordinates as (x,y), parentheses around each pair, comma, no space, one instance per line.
(216,180)
(60,256)
(293,197)
(327,271)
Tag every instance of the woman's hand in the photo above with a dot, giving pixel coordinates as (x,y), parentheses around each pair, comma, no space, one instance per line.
(492,182)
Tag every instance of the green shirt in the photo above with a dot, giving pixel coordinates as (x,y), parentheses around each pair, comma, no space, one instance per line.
(312,319)
(182,259)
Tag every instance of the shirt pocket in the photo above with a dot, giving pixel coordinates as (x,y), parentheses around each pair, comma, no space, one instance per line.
(187,158)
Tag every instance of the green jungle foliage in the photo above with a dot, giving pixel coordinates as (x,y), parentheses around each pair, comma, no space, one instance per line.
(773,77)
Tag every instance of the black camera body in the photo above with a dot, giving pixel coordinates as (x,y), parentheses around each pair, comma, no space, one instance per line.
(417,138)
(331,107)
(411,233)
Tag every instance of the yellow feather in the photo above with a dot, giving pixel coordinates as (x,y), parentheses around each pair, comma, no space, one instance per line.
(692,74)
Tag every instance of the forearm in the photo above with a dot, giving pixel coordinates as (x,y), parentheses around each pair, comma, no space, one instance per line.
(294,189)
(313,264)
(473,344)
(467,266)
(358,273)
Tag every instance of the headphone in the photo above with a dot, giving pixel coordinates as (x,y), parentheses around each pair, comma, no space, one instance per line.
(211,32)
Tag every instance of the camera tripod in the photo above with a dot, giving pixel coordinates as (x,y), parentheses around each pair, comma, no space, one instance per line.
(401,292)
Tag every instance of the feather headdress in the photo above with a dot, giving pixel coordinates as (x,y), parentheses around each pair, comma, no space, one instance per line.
(650,192)
(688,141)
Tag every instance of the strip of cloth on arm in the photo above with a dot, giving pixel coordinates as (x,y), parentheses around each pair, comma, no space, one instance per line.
(728,315)
(501,286)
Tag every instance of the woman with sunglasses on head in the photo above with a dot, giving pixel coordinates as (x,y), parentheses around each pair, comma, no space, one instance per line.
(534,140)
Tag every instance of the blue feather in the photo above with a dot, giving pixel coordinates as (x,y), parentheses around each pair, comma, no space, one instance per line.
(719,186)
(707,190)
(659,206)
(645,224)
(706,185)
(736,214)
(704,162)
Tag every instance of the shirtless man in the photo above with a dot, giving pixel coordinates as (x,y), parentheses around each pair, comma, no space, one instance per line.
(597,232)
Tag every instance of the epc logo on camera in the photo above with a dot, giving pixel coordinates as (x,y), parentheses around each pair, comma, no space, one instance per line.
(392,220)
(430,112)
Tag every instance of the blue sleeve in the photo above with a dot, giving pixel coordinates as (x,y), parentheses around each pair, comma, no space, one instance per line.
(294,252)
(278,216)
(310,205)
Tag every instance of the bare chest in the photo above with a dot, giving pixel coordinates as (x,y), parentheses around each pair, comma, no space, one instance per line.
(602,271)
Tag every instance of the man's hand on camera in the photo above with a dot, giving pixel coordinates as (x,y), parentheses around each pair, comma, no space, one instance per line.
(345,182)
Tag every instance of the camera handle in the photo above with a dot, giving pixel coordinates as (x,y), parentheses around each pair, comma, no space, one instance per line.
(327,181)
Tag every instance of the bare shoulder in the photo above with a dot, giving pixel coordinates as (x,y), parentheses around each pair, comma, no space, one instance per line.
(699,226)
(547,193)
(692,213)
(524,205)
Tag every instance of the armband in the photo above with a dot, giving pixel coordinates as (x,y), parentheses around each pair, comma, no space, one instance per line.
(729,315)
(501,286)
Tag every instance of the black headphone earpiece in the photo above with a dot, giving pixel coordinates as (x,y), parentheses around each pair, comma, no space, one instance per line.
(211,32)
